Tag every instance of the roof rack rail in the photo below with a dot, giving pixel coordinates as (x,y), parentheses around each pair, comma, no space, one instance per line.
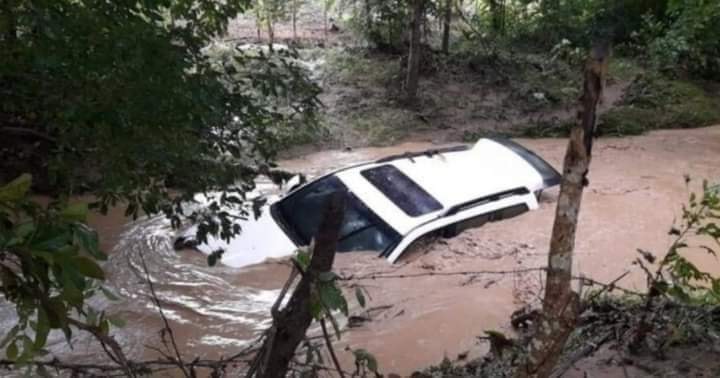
(484,200)
(429,153)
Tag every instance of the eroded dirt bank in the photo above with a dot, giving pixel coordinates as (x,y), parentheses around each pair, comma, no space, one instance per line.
(636,190)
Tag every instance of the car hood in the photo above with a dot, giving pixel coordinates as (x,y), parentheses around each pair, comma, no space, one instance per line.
(258,240)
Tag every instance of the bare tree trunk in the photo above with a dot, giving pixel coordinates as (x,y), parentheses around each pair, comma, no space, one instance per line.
(291,323)
(258,22)
(294,19)
(561,304)
(368,16)
(446,26)
(413,70)
(325,18)
(271,32)
(497,12)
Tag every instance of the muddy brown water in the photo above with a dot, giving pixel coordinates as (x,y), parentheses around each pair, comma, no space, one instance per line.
(636,190)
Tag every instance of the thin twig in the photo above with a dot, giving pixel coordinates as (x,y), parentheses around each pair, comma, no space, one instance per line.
(605,287)
(330,348)
(109,341)
(169,330)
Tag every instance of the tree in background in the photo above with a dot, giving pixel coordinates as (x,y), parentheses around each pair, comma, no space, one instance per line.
(293,13)
(268,12)
(497,15)
(414,56)
(447,19)
(688,40)
(327,6)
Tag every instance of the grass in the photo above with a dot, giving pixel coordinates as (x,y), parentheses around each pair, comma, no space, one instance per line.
(624,69)
(651,102)
(385,126)
(655,102)
(357,66)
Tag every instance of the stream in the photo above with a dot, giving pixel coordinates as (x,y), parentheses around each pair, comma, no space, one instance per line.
(636,190)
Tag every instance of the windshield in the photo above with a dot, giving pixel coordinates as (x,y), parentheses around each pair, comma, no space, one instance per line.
(362,230)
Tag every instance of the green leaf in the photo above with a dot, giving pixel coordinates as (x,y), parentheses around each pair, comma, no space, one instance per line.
(332,297)
(27,350)
(56,311)
(76,212)
(88,267)
(88,240)
(70,292)
(316,307)
(16,189)
(327,276)
(105,327)
(360,296)
(24,230)
(335,325)
(303,259)
(91,317)
(12,351)
(372,363)
(109,294)
(214,257)
(363,356)
(42,330)
(9,336)
(117,321)
(678,292)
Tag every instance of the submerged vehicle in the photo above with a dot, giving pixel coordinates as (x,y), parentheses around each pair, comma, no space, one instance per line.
(396,200)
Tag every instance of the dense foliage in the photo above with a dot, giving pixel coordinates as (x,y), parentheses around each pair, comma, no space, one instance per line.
(48,269)
(141,104)
(121,99)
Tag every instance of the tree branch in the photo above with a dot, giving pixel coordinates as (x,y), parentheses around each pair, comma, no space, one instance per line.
(24,131)
(168,329)
(328,343)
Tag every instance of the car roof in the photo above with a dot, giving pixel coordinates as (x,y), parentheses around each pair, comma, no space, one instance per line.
(452,176)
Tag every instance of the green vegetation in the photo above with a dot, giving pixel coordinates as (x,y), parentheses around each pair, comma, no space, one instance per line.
(650,102)
(529,54)
(137,104)
(48,269)
(655,102)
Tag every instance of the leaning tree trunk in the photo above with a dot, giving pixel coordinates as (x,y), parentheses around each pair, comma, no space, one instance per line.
(413,70)
(446,26)
(291,323)
(560,305)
